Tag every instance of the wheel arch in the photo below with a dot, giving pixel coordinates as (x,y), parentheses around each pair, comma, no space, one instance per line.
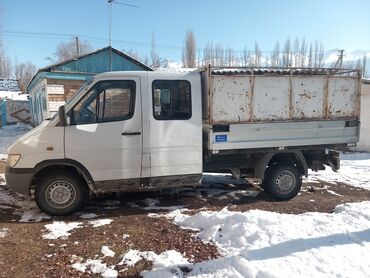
(72,165)
(292,157)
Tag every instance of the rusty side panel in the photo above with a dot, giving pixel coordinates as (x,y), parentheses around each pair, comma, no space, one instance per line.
(230,97)
(308,97)
(271,98)
(264,98)
(343,98)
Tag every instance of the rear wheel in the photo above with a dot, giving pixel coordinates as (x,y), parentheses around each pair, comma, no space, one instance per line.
(283,182)
(60,193)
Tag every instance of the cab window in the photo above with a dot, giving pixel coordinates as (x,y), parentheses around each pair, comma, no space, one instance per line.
(171,99)
(106,101)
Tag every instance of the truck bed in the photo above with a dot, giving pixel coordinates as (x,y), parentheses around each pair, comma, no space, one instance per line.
(268,108)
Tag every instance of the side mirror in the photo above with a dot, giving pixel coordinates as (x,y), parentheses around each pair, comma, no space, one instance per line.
(62,116)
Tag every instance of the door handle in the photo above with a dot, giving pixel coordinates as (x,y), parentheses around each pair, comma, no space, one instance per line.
(131,133)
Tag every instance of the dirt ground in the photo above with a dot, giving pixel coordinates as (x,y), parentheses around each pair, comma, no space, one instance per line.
(24,253)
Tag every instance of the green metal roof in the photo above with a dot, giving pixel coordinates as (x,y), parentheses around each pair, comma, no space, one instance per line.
(85,66)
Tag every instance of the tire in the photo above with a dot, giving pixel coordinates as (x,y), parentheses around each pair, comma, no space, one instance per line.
(283,182)
(61,193)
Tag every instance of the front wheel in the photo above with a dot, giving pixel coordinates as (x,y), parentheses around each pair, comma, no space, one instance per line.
(283,182)
(60,193)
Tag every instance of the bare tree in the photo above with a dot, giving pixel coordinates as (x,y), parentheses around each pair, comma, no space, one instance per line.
(364,61)
(321,55)
(230,57)
(133,53)
(287,54)
(219,55)
(257,55)
(5,64)
(246,56)
(189,50)
(296,53)
(275,57)
(303,52)
(72,49)
(208,54)
(310,56)
(155,61)
(24,73)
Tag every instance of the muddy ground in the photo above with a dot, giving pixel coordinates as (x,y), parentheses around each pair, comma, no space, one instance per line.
(24,253)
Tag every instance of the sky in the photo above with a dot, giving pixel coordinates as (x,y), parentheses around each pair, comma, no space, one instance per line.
(31,29)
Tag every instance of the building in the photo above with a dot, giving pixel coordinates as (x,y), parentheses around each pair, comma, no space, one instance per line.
(55,84)
(9,88)
(14,106)
(364,144)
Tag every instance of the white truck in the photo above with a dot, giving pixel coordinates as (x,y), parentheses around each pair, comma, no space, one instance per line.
(141,131)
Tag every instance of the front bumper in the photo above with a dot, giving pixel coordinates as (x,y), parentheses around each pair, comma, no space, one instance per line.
(19,180)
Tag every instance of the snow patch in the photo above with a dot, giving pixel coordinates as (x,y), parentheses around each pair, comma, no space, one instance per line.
(96,267)
(100,222)
(259,243)
(23,206)
(354,170)
(60,229)
(3,232)
(107,252)
(164,264)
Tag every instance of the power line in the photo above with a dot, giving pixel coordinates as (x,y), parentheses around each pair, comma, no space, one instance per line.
(49,35)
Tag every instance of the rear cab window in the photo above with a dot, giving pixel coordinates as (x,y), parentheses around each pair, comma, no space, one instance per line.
(171,99)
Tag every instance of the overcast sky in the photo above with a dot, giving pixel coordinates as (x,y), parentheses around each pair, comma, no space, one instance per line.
(234,23)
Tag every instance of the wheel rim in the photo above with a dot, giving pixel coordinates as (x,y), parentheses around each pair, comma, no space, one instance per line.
(60,194)
(285,181)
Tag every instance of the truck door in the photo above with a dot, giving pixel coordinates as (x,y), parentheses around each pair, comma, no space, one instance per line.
(175,137)
(105,133)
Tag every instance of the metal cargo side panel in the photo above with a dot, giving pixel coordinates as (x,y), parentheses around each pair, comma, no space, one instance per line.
(308,97)
(283,134)
(230,98)
(343,98)
(271,98)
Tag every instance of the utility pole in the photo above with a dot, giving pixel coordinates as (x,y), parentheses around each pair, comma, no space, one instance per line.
(77,47)
(340,59)
(110,2)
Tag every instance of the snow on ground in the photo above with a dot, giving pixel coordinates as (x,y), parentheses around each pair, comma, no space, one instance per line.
(267,244)
(96,267)
(23,206)
(354,170)
(100,222)
(60,229)
(3,232)
(107,252)
(8,134)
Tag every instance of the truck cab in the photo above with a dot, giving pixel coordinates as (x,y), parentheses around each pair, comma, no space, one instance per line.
(123,131)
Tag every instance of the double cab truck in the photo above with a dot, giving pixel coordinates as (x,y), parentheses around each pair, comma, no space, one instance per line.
(142,131)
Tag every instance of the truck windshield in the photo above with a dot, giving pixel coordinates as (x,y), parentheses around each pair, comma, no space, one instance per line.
(83,87)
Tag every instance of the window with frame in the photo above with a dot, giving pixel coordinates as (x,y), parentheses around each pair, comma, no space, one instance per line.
(106,101)
(171,99)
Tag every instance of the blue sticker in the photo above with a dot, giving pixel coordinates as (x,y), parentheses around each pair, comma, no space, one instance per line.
(221,138)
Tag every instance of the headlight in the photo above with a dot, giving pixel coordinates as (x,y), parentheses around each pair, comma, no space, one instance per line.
(13,159)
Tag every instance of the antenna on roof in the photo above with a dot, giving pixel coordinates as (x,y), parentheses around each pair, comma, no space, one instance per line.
(110,2)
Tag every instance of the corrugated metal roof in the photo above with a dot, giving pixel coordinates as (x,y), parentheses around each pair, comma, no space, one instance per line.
(279,71)
(9,85)
(98,62)
(94,63)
